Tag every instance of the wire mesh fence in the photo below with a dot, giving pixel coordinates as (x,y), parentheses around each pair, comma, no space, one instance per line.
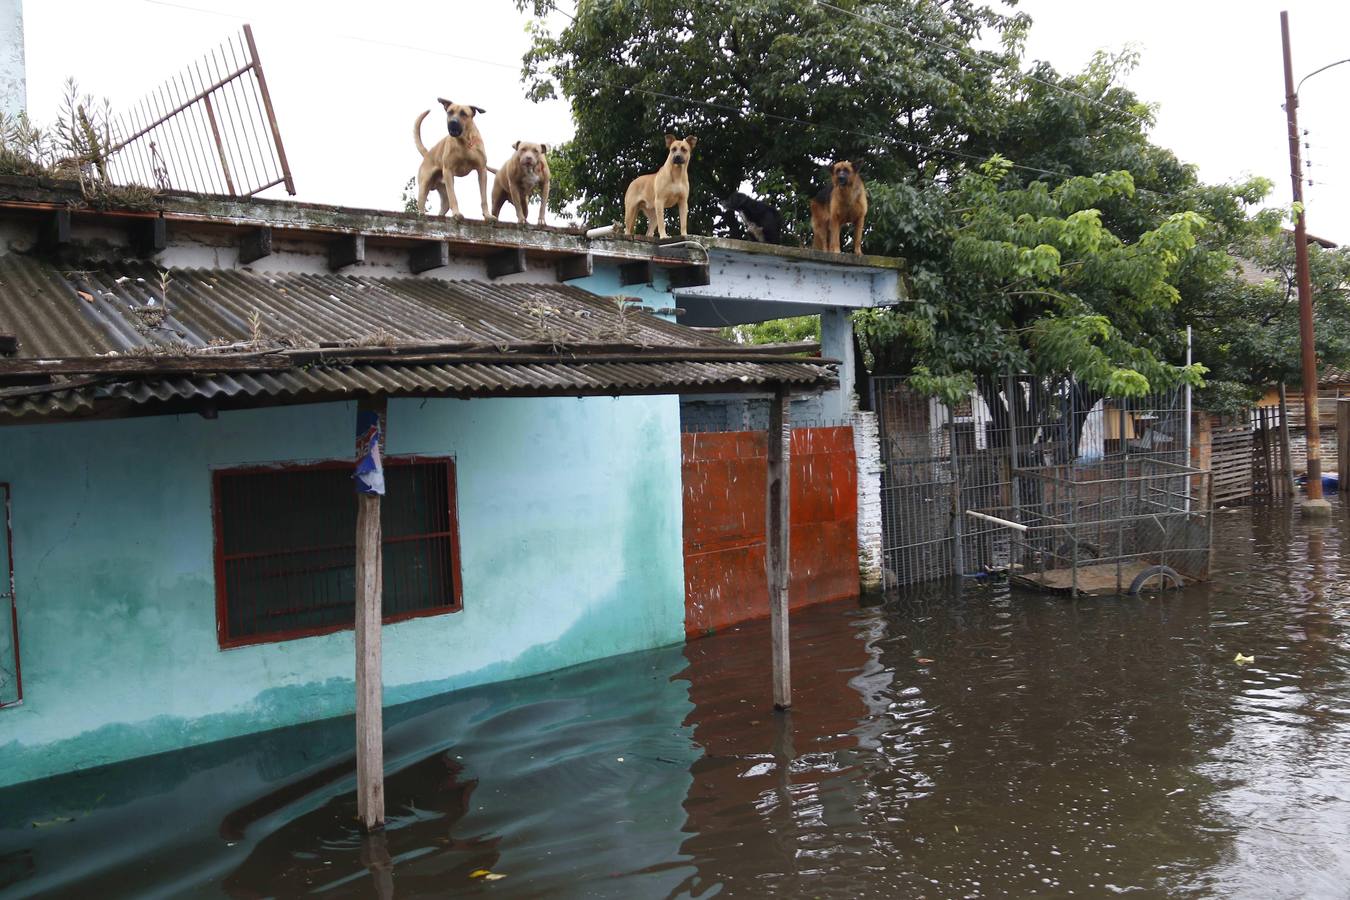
(209,129)
(1034,452)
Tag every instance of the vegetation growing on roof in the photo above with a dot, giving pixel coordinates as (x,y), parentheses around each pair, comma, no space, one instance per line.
(74,148)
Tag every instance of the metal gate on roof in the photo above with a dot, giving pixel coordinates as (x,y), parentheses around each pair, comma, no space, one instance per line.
(209,129)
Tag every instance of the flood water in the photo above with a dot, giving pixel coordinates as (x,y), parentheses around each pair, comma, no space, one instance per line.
(950,743)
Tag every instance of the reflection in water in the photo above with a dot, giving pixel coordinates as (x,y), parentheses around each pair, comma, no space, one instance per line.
(950,743)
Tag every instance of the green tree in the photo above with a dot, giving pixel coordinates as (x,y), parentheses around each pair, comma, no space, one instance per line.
(1247,322)
(776,331)
(1036,282)
(1076,246)
(774,90)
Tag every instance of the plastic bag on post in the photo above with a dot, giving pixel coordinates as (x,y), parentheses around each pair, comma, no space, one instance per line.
(369,473)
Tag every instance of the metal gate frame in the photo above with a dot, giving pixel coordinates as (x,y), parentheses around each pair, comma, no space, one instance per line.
(210,129)
(939,463)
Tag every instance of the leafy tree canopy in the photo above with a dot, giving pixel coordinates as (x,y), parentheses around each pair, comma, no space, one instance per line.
(1043,230)
(775,331)
(1246,322)
(774,90)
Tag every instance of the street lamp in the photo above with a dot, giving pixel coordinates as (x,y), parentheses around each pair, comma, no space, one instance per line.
(1315,504)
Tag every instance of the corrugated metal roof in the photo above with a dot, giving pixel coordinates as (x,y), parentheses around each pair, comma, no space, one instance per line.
(120,308)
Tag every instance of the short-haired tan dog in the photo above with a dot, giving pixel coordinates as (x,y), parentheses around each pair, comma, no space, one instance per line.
(453,156)
(523,174)
(653,194)
(841,202)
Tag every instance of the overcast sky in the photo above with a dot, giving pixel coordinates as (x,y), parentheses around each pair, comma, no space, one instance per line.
(348,78)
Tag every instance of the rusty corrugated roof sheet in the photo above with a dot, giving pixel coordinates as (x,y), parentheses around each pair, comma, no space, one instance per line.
(129,308)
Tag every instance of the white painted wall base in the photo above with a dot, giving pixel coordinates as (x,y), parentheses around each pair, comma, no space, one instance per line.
(867,448)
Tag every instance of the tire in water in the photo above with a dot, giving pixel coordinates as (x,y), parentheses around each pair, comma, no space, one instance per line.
(1167,573)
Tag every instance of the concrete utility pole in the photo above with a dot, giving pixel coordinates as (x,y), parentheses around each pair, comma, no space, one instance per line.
(1314,503)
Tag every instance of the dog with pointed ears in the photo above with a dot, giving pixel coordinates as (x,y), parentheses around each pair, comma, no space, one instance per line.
(653,194)
(459,153)
(841,202)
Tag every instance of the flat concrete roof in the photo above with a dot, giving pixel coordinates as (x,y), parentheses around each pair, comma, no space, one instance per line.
(469,237)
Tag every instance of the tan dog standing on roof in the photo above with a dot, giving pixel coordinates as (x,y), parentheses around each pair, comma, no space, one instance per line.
(454,156)
(653,194)
(523,174)
(841,202)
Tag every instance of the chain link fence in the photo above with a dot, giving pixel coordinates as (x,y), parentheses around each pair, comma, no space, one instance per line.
(1046,454)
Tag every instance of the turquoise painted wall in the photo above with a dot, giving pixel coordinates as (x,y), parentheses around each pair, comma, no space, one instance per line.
(605,282)
(570,533)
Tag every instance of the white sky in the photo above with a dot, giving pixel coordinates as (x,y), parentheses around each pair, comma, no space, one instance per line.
(1216,69)
(348,78)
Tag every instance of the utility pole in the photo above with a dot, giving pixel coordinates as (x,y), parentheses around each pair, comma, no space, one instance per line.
(1314,503)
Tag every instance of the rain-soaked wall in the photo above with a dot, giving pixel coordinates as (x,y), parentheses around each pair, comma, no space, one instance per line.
(569,519)
(724,524)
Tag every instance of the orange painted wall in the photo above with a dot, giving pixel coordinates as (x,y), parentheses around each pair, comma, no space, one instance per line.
(724,475)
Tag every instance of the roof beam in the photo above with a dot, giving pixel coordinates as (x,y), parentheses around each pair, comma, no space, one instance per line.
(149,236)
(674,354)
(506,262)
(429,255)
(559,351)
(641,272)
(55,230)
(144,365)
(255,244)
(346,250)
(690,276)
(570,268)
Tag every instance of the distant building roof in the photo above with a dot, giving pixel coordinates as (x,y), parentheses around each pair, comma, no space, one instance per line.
(323,337)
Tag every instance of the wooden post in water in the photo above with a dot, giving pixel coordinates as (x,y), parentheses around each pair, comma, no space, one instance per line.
(1202,451)
(370,421)
(1286,447)
(1343,443)
(776,544)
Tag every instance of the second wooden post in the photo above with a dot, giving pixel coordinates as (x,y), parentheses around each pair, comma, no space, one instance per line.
(1343,444)
(370,423)
(776,545)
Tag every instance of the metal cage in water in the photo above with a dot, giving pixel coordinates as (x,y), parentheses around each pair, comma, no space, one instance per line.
(1112,526)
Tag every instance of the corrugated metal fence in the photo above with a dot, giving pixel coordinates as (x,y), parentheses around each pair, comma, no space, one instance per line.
(724,523)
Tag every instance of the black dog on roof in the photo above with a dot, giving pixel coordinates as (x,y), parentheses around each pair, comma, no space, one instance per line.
(761,220)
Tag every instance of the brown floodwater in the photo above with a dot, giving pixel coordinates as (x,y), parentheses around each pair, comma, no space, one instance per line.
(956,741)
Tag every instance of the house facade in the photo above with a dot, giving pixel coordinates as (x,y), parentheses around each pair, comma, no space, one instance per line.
(180,542)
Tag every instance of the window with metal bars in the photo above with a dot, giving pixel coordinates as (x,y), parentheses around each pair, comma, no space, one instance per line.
(286,547)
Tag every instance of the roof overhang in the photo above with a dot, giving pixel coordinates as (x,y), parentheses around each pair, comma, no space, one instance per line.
(115,341)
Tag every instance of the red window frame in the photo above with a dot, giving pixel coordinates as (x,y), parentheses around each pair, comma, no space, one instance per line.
(223,637)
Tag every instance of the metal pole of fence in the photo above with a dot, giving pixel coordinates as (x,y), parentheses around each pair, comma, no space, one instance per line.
(1187,456)
(1073,538)
(958,559)
(1012,403)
